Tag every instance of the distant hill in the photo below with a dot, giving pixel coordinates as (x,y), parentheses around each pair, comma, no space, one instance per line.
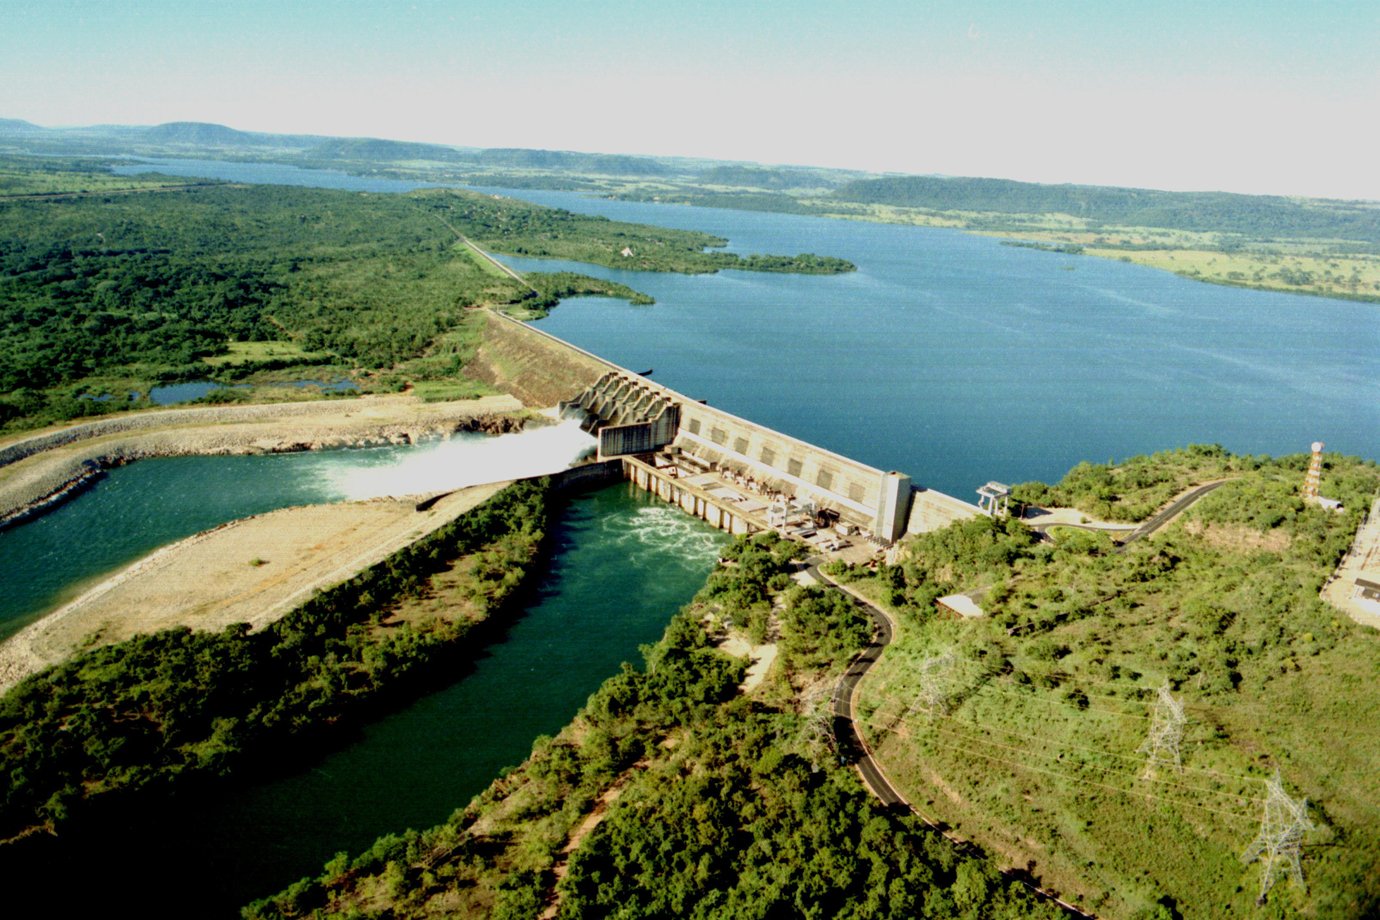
(1255,215)
(369,148)
(602,163)
(767,178)
(18,127)
(200,134)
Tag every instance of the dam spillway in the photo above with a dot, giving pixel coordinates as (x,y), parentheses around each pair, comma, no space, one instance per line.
(668,441)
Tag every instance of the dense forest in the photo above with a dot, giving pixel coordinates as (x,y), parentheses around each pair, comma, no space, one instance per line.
(108,293)
(178,706)
(711,804)
(1054,690)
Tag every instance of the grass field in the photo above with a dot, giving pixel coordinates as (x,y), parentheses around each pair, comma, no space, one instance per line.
(1025,731)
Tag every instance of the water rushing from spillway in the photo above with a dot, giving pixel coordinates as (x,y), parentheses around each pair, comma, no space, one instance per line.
(463,460)
(140,507)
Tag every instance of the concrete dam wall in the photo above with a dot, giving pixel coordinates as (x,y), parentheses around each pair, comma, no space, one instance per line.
(634,416)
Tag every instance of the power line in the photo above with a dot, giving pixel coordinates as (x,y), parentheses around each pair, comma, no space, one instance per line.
(1102,753)
(1087,782)
(1025,752)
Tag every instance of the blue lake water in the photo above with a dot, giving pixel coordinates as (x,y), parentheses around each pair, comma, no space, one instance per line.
(957,359)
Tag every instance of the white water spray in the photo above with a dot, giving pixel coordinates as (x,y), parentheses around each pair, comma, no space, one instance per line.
(462,460)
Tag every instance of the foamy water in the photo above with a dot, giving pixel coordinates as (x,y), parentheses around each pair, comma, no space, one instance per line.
(462,460)
(658,530)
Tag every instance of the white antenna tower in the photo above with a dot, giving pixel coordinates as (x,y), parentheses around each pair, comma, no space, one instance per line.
(1166,731)
(933,695)
(1281,837)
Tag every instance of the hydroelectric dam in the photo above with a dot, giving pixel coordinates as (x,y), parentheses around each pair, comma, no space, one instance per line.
(737,475)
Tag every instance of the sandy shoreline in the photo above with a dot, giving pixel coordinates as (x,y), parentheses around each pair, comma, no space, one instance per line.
(253,570)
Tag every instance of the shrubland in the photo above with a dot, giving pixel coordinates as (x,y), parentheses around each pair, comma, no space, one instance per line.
(673,795)
(1024,730)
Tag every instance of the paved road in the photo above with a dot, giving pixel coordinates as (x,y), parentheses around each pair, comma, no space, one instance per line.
(1156,522)
(852,747)
(1177,507)
(847,739)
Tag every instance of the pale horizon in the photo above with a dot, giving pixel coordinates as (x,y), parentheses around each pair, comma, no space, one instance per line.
(1262,98)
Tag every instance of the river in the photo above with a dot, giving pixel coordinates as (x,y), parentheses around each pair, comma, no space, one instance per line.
(137,508)
(622,563)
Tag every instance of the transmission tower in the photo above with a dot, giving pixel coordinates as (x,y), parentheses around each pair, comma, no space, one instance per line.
(934,694)
(1280,838)
(1166,731)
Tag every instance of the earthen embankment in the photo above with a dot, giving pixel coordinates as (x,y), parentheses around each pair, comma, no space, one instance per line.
(534,367)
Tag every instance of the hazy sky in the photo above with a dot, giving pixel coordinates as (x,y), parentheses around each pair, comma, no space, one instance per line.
(1279,97)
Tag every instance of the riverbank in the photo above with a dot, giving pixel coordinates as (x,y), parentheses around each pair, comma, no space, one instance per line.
(253,570)
(180,705)
(37,471)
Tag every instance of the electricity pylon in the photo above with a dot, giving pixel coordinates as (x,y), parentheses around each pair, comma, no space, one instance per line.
(1281,837)
(1166,731)
(934,693)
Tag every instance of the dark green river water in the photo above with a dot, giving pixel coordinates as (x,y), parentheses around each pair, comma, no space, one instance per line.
(622,563)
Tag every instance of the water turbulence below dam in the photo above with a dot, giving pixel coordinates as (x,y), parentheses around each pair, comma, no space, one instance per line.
(622,563)
(137,508)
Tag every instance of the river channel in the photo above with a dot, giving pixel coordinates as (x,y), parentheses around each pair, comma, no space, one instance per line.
(622,563)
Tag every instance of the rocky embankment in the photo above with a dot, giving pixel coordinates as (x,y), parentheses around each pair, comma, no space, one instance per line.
(39,471)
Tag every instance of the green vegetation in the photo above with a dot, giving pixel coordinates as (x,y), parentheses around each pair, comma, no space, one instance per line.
(1244,215)
(1297,245)
(550,288)
(524,229)
(41,176)
(161,710)
(708,804)
(111,293)
(1134,489)
(1031,745)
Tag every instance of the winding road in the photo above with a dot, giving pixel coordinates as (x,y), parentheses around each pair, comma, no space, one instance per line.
(848,739)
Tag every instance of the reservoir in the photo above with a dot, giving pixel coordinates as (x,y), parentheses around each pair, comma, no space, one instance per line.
(956,359)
